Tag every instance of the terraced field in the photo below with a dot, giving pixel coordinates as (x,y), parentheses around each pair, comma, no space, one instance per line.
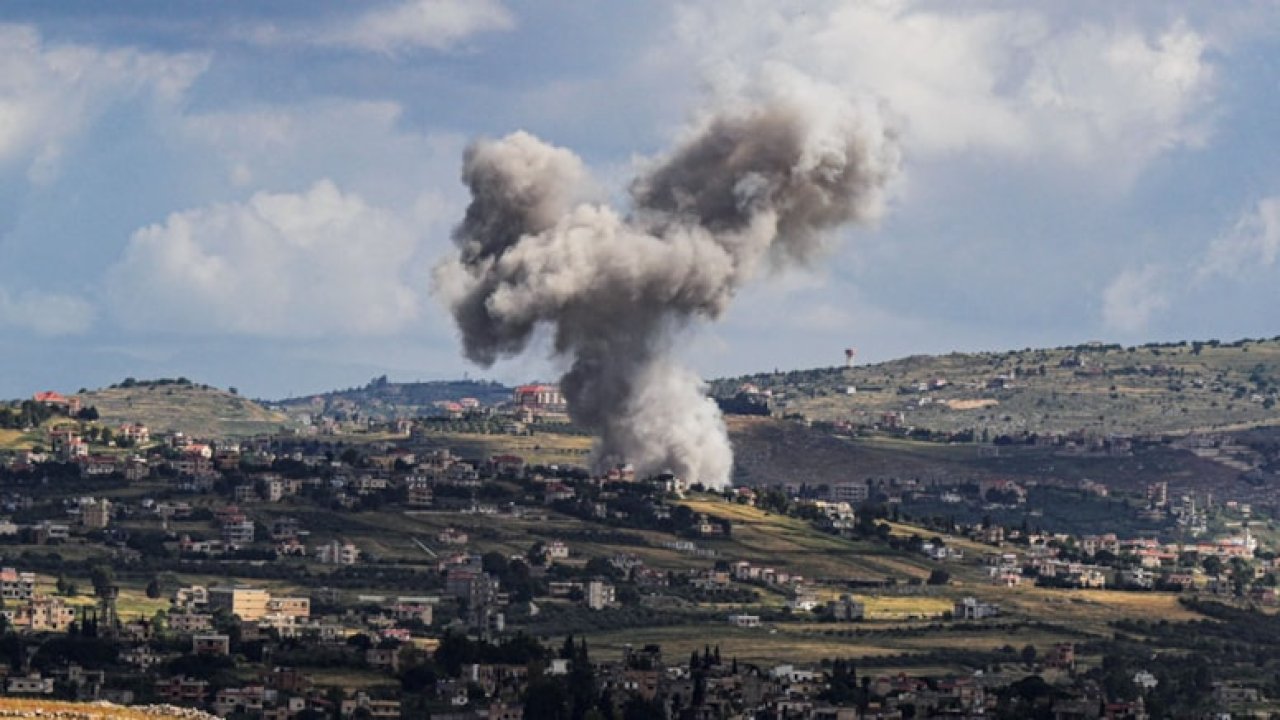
(56,710)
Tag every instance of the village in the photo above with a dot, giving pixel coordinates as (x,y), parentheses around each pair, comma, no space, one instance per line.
(300,618)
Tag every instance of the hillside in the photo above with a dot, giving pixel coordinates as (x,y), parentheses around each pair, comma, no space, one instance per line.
(197,410)
(1097,389)
(386,400)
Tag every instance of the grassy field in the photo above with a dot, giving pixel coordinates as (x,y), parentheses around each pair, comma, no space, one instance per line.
(1102,389)
(539,449)
(191,409)
(795,545)
(868,642)
(26,707)
(15,440)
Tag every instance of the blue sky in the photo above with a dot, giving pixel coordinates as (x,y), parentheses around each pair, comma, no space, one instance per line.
(254,194)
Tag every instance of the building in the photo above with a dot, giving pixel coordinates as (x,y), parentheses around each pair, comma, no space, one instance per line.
(135,433)
(296,607)
(419,492)
(31,684)
(16,585)
(238,533)
(189,622)
(96,515)
(373,707)
(1061,656)
(338,553)
(210,645)
(557,550)
(182,690)
(246,603)
(40,614)
(745,621)
(191,597)
(451,536)
(50,532)
(540,398)
(600,595)
(49,398)
(971,608)
(849,492)
(846,608)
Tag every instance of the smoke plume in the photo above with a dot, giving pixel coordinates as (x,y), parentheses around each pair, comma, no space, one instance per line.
(752,186)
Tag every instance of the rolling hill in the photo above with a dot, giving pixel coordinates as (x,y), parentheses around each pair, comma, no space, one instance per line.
(1094,388)
(197,410)
(389,400)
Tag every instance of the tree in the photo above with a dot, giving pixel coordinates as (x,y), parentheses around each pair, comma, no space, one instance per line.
(102,578)
(939,577)
(153,588)
(546,699)
(1029,655)
(1212,565)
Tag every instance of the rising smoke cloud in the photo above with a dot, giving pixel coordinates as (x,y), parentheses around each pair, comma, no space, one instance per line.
(754,185)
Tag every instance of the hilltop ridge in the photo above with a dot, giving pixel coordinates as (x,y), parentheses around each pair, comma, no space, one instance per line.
(183,406)
(385,400)
(1094,389)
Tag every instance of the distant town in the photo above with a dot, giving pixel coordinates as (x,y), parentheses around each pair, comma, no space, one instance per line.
(361,568)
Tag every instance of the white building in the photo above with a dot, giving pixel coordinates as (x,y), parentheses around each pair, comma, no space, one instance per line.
(972,608)
(600,595)
(338,553)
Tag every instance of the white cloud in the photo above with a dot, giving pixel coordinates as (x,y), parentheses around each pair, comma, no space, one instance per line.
(1132,298)
(295,265)
(361,145)
(1254,242)
(1014,82)
(49,93)
(47,314)
(403,26)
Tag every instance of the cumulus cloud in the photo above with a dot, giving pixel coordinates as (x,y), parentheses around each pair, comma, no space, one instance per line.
(1252,243)
(1013,81)
(47,314)
(404,26)
(288,264)
(50,92)
(1132,298)
(359,144)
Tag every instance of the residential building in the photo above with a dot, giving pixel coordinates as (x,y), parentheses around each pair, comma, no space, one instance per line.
(210,645)
(246,603)
(238,533)
(338,552)
(96,515)
(16,585)
(600,595)
(971,608)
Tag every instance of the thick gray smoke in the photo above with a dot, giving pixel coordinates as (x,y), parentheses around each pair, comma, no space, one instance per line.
(752,186)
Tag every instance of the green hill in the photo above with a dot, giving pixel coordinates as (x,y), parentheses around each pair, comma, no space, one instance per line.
(1096,389)
(387,400)
(197,410)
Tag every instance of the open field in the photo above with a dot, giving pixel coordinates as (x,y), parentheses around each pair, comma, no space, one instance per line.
(791,543)
(191,409)
(15,440)
(25,707)
(1173,388)
(810,642)
(538,449)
